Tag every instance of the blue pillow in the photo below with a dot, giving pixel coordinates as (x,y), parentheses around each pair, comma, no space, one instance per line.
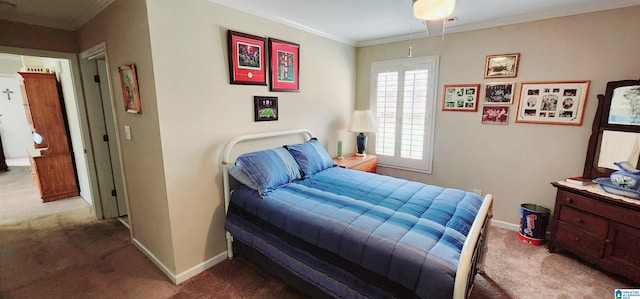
(268,169)
(311,156)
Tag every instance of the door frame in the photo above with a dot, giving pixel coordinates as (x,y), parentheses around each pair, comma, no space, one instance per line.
(99,51)
(89,164)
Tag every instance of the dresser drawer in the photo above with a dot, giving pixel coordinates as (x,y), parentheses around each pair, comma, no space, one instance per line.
(584,244)
(584,221)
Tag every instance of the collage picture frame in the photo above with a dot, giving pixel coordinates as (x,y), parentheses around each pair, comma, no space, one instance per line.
(560,103)
(460,97)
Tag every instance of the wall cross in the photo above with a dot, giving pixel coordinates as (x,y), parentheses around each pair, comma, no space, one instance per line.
(8,92)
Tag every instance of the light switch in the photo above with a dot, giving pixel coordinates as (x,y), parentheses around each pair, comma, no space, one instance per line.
(127,132)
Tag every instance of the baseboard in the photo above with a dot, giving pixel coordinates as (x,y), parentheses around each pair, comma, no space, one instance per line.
(186,275)
(197,269)
(505,225)
(155,260)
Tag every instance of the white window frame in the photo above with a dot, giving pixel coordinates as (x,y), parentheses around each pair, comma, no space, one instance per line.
(430,63)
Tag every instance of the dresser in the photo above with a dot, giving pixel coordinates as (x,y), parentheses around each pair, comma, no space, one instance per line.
(600,229)
(52,163)
(368,163)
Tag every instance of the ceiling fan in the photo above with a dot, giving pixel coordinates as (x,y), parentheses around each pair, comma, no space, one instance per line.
(428,10)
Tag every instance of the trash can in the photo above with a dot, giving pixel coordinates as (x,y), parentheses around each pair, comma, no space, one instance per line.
(533,223)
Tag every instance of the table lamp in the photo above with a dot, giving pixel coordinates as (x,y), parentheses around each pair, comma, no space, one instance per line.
(362,121)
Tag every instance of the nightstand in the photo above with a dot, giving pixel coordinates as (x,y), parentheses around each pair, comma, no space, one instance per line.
(369,163)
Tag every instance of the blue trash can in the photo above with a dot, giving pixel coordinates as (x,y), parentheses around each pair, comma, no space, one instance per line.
(533,223)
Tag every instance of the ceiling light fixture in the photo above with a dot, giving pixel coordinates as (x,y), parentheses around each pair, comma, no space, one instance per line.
(433,9)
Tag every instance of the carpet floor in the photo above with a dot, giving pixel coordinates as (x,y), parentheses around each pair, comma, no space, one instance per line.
(70,255)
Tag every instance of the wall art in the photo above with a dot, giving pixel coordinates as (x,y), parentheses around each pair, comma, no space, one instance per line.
(501,66)
(498,93)
(247,64)
(460,97)
(284,61)
(559,103)
(130,92)
(266,108)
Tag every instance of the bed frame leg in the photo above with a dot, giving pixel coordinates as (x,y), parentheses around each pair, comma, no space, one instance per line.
(229,246)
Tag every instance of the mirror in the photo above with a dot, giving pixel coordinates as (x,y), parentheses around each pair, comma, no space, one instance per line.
(625,106)
(615,134)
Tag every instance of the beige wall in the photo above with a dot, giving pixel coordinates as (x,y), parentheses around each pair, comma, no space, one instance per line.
(516,162)
(123,26)
(37,37)
(199,110)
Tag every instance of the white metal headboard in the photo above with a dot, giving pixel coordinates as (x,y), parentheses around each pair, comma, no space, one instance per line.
(226,162)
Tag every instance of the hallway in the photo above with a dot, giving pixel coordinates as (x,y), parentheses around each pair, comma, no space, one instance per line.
(19,199)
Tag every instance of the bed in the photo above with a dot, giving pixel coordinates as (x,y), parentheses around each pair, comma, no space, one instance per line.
(342,233)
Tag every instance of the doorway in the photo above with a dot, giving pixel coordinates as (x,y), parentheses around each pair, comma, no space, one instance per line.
(89,162)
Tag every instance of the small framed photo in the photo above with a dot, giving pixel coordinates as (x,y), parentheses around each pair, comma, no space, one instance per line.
(560,103)
(130,92)
(498,93)
(247,64)
(284,61)
(496,115)
(460,97)
(501,66)
(266,108)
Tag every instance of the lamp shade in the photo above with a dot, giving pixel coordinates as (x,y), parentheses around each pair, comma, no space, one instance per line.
(433,9)
(362,121)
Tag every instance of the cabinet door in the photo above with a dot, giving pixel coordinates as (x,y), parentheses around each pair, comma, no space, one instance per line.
(622,252)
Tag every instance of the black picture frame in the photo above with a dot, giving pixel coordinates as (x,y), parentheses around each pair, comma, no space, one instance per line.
(284,65)
(265,108)
(247,58)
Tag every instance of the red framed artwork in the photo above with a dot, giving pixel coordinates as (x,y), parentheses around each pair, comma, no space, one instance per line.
(247,59)
(284,61)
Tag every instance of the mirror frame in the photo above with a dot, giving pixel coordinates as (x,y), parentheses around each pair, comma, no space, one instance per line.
(601,123)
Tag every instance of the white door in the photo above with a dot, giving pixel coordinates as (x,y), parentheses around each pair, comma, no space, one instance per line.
(113,168)
(14,129)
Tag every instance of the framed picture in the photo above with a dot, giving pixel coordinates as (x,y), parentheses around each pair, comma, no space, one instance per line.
(266,108)
(460,97)
(498,93)
(284,59)
(501,66)
(247,64)
(130,92)
(497,115)
(559,103)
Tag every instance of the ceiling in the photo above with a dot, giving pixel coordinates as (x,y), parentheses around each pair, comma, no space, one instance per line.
(354,22)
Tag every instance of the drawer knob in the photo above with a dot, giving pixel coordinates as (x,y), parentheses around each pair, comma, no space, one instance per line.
(607,241)
(580,220)
(577,239)
(568,199)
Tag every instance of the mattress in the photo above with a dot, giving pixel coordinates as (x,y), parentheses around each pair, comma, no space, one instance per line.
(377,228)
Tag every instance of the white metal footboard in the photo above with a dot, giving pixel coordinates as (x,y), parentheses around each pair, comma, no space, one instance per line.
(226,162)
(474,250)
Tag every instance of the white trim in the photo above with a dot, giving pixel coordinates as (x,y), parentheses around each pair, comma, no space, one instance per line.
(199,268)
(154,259)
(505,225)
(94,52)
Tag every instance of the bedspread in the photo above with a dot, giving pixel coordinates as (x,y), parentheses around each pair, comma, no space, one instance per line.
(375,226)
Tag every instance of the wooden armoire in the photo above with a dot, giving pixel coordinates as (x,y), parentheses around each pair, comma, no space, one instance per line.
(52,168)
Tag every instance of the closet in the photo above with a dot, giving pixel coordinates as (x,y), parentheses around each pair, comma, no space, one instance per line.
(51,161)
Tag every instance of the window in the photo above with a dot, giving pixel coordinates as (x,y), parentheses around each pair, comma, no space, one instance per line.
(404,96)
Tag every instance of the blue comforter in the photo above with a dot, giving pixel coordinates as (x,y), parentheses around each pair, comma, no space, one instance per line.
(376,226)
